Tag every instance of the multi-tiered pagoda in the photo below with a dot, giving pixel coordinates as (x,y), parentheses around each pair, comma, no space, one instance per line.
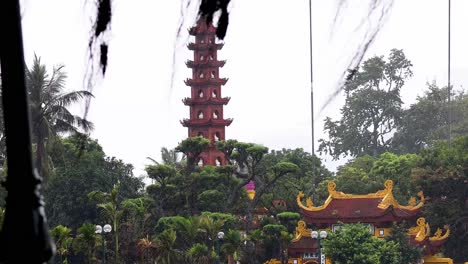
(206,103)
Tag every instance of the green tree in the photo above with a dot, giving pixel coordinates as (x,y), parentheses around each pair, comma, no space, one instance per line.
(372,108)
(86,241)
(170,157)
(232,244)
(408,253)
(289,219)
(426,121)
(192,148)
(48,104)
(81,167)
(63,241)
(147,250)
(276,239)
(443,176)
(165,243)
(137,214)
(199,253)
(353,177)
(110,208)
(354,244)
(162,190)
(246,160)
(209,228)
(367,174)
(397,168)
(311,172)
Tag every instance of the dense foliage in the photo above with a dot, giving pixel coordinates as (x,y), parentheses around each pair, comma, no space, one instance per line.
(178,217)
(372,108)
(354,244)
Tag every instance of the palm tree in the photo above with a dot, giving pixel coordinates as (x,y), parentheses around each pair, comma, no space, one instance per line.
(231,245)
(170,157)
(86,241)
(110,210)
(63,241)
(147,249)
(210,228)
(199,253)
(189,231)
(138,212)
(167,253)
(48,104)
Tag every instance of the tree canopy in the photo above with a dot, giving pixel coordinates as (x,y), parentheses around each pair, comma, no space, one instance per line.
(372,108)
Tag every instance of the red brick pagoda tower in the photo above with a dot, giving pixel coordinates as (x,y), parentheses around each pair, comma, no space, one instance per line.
(206,104)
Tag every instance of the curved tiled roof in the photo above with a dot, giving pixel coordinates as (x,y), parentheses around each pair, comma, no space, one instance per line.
(378,206)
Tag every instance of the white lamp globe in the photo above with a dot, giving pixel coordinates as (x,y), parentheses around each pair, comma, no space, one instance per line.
(98,229)
(220,235)
(314,234)
(323,234)
(107,228)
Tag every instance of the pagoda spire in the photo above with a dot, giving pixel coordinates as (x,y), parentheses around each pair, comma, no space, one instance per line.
(206,103)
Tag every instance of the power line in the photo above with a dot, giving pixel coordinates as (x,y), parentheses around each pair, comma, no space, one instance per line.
(449,86)
(311,78)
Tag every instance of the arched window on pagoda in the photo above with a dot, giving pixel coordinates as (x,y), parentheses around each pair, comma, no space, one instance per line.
(202,57)
(211,57)
(201,75)
(213,74)
(218,161)
(200,93)
(200,114)
(216,137)
(214,93)
(200,134)
(215,114)
(200,162)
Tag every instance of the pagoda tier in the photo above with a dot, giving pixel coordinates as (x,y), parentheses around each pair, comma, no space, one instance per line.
(206,101)
(206,82)
(206,122)
(205,46)
(380,207)
(210,100)
(205,63)
(202,28)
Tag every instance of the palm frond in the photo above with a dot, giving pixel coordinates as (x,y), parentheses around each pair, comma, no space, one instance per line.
(72,97)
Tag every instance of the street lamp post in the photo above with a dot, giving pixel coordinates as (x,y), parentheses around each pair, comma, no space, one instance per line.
(322,235)
(99,230)
(220,237)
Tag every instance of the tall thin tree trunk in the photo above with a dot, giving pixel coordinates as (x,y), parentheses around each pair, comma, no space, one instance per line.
(116,241)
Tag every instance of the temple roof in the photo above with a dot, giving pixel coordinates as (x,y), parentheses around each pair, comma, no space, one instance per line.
(374,207)
(420,235)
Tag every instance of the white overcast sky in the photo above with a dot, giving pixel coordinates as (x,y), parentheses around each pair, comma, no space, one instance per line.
(136,111)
